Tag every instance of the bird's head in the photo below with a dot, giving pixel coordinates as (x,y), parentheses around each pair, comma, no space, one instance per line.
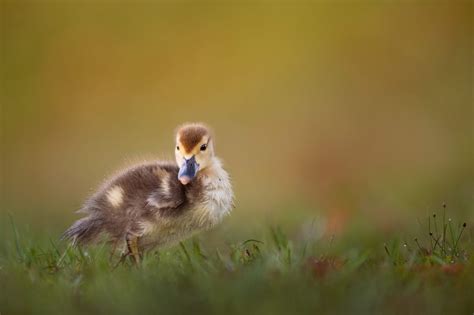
(194,150)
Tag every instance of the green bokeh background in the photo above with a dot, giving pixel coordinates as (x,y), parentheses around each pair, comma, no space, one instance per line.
(338,110)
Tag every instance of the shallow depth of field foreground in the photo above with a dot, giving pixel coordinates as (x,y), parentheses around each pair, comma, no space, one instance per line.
(347,129)
(364,271)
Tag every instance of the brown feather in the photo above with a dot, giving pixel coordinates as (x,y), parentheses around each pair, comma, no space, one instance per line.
(191,135)
(143,198)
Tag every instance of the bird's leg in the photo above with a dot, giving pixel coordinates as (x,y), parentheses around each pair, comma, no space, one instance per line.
(132,244)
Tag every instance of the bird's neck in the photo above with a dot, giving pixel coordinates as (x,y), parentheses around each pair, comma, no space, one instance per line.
(213,169)
(217,195)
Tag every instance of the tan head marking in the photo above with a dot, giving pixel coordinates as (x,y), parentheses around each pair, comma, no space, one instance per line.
(191,135)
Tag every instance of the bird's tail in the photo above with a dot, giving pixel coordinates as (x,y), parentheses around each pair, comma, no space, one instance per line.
(83,231)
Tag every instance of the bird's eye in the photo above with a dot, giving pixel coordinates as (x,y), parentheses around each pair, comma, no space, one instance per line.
(177,147)
(204,147)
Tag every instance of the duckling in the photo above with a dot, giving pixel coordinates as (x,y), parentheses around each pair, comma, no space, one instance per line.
(159,203)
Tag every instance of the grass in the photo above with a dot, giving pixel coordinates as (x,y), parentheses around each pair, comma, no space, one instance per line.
(270,274)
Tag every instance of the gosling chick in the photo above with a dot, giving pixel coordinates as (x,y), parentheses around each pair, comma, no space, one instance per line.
(159,203)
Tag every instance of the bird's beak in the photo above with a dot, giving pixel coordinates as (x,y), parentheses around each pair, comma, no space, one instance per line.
(188,170)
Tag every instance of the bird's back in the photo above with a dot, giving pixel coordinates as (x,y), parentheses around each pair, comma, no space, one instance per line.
(128,198)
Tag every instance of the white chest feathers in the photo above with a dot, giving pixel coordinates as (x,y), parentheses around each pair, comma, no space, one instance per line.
(217,197)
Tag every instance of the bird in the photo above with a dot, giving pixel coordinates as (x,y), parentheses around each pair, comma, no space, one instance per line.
(158,203)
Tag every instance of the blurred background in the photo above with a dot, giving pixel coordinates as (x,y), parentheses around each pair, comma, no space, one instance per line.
(339,111)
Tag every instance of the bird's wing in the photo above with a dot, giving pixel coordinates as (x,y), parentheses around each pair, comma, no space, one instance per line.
(170,193)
